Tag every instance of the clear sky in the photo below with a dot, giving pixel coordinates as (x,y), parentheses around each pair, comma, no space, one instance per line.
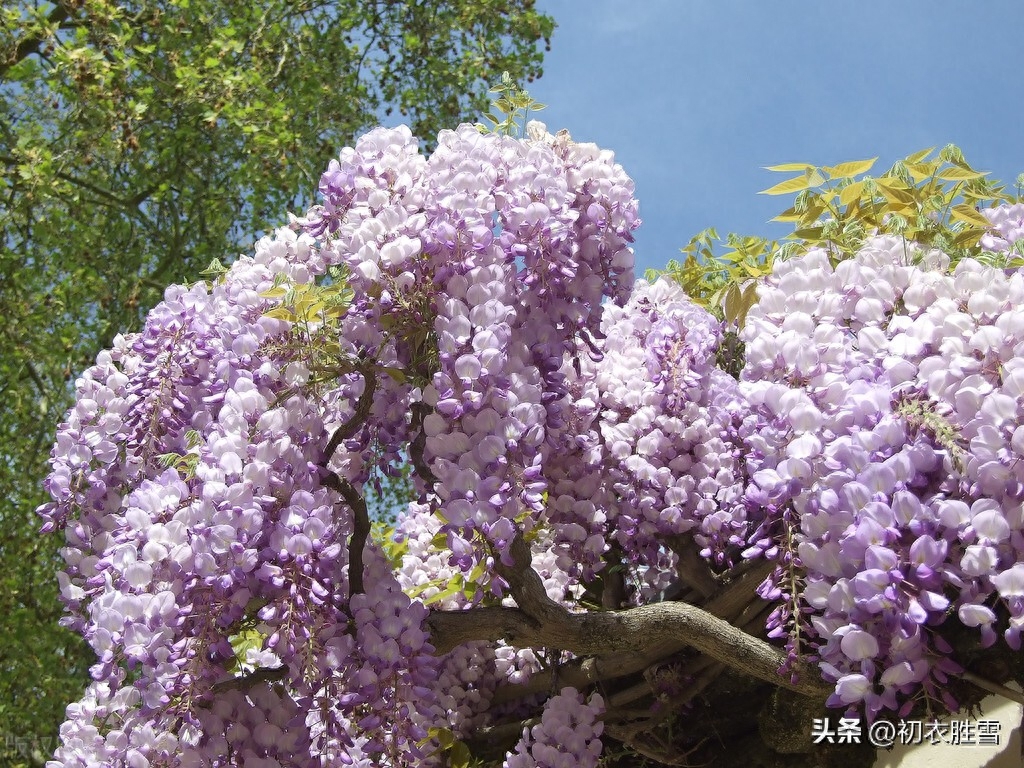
(695,96)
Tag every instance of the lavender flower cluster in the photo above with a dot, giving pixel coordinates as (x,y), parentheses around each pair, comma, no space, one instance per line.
(204,510)
(891,391)
(503,249)
(567,736)
(188,480)
(653,445)
(208,478)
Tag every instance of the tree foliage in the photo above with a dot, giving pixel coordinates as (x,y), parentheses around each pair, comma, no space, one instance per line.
(140,140)
(934,202)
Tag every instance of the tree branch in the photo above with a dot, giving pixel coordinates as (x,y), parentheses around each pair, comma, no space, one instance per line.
(692,569)
(995,689)
(248,680)
(362,411)
(361,519)
(31,43)
(360,530)
(419,413)
(729,604)
(541,622)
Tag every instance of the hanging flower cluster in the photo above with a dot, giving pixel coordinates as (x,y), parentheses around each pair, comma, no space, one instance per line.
(892,393)
(473,312)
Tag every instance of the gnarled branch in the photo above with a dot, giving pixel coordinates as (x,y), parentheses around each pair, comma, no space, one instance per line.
(358,418)
(541,622)
(360,529)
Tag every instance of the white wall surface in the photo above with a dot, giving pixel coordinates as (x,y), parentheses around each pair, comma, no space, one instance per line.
(1006,755)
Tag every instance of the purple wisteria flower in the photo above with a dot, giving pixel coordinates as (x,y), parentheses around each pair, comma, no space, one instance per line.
(210,478)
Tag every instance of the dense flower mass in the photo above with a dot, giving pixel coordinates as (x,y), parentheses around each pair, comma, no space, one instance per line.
(891,393)
(652,447)
(568,735)
(473,312)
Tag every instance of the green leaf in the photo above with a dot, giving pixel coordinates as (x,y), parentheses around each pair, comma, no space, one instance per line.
(214,269)
(118,105)
(168,460)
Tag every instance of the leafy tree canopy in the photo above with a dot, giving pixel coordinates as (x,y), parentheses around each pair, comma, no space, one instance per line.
(139,140)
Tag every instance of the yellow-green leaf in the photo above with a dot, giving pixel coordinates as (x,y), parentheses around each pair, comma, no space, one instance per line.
(789,186)
(787,167)
(894,190)
(444,737)
(921,171)
(961,174)
(789,214)
(282,313)
(851,192)
(419,589)
(917,157)
(397,374)
(244,641)
(967,213)
(809,233)
(732,303)
(814,210)
(459,756)
(455,586)
(968,238)
(747,300)
(850,169)
(336,311)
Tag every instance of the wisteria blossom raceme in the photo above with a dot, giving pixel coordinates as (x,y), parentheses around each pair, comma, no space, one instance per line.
(501,250)
(652,447)
(208,478)
(1007,228)
(474,313)
(891,453)
(567,736)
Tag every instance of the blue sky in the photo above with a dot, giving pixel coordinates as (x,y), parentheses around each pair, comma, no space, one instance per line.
(695,96)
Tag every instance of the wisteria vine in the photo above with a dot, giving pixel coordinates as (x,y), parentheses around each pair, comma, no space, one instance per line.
(474,312)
